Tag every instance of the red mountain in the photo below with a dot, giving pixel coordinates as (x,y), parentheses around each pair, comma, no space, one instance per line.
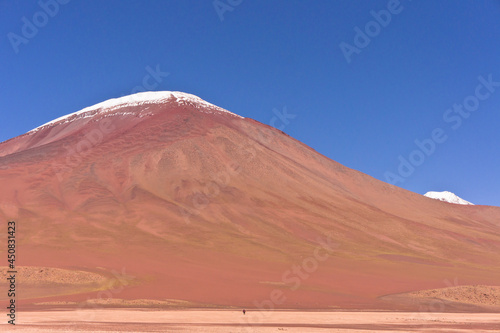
(199,206)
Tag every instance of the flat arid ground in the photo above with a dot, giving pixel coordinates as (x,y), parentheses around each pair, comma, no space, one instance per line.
(137,320)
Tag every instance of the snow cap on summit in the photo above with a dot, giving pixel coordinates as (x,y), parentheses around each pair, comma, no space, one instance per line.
(447,197)
(141,98)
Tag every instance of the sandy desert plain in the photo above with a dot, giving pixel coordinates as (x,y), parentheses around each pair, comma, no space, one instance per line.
(144,320)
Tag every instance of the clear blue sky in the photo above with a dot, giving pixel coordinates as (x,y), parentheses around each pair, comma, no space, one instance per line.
(267,55)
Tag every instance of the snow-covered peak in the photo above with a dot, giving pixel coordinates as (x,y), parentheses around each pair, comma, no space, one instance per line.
(447,197)
(142,98)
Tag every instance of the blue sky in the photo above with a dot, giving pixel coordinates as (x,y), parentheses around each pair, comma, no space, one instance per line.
(253,57)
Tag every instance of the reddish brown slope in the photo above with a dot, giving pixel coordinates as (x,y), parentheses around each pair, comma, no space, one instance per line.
(211,208)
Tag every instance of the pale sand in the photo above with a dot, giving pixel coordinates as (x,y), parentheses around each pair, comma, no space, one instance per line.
(118,320)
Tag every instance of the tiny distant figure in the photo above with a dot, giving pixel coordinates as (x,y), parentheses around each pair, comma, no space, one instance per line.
(244,311)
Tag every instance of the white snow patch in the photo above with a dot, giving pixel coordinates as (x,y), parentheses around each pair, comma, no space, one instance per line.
(142,98)
(447,197)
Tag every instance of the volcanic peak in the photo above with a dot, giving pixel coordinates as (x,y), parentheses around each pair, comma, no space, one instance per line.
(142,98)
